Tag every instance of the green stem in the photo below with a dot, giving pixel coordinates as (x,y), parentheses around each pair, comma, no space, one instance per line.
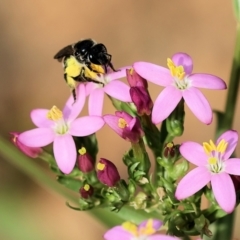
(233,88)
(30,168)
(224,226)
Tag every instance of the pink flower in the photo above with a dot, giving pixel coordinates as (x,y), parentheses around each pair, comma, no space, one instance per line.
(112,87)
(32,152)
(130,231)
(125,126)
(213,165)
(58,127)
(179,81)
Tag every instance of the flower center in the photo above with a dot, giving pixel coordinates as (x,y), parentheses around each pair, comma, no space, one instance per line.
(139,233)
(179,75)
(215,153)
(122,123)
(56,115)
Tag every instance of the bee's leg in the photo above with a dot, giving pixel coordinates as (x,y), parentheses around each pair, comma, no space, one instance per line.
(112,67)
(86,79)
(74,95)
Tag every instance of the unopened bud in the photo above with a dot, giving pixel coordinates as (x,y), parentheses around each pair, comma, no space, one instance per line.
(32,152)
(86,191)
(85,161)
(107,173)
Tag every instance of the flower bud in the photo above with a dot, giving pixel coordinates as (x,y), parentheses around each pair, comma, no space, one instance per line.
(107,173)
(139,93)
(85,161)
(32,152)
(86,191)
(169,150)
(142,100)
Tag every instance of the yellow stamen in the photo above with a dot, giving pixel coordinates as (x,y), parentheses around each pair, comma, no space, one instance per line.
(130,227)
(131,70)
(148,229)
(176,71)
(122,123)
(82,151)
(169,145)
(54,114)
(209,147)
(212,160)
(222,146)
(86,187)
(100,166)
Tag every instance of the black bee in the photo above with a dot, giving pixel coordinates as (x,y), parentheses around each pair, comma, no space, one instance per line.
(75,72)
(84,61)
(87,52)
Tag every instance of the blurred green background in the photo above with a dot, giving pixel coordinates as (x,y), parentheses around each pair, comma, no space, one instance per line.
(33,31)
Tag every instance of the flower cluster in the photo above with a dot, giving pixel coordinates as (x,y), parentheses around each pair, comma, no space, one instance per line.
(171,187)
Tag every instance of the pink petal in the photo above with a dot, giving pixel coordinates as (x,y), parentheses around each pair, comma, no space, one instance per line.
(65,152)
(192,182)
(112,121)
(95,102)
(224,191)
(153,73)
(120,73)
(39,118)
(203,80)
(85,126)
(72,109)
(231,137)
(194,153)
(162,237)
(118,90)
(38,137)
(198,104)
(232,166)
(90,86)
(117,233)
(165,103)
(184,60)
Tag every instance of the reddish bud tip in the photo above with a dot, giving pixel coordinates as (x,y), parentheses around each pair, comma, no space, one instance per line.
(32,152)
(107,173)
(85,161)
(86,191)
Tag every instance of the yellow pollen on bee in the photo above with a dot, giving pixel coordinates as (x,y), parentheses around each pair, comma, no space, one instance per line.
(82,151)
(176,71)
(86,187)
(54,114)
(97,68)
(122,123)
(90,74)
(209,147)
(212,160)
(148,229)
(169,145)
(100,166)
(130,227)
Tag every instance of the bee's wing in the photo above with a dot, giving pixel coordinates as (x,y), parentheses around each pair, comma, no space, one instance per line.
(66,51)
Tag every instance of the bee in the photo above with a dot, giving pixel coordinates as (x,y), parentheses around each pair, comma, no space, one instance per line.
(88,52)
(76,72)
(84,61)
